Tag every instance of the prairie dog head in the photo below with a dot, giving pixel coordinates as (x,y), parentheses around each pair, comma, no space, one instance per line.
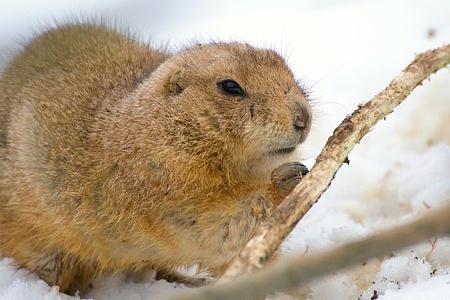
(230,106)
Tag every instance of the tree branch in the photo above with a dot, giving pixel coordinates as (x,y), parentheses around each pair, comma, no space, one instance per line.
(272,232)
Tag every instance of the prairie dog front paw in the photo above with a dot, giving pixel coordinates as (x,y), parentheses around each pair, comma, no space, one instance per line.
(288,175)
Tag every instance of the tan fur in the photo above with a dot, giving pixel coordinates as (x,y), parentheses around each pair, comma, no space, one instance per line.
(119,157)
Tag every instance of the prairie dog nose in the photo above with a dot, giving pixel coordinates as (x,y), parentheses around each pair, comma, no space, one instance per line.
(301,116)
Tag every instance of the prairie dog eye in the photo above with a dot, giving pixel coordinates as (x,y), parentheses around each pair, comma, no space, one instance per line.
(231,87)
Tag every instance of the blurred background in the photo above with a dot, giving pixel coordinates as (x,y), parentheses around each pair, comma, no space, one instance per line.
(343,51)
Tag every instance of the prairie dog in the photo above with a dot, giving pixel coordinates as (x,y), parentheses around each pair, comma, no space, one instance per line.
(115,156)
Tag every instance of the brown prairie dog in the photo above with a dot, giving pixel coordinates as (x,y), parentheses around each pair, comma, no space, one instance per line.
(115,156)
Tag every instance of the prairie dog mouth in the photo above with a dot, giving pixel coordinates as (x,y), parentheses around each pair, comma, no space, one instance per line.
(286,150)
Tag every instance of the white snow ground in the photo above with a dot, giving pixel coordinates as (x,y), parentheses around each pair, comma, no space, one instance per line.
(346,51)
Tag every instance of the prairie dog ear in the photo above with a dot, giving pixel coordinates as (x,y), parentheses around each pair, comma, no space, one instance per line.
(177,84)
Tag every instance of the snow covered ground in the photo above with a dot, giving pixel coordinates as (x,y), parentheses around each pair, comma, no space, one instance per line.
(345,51)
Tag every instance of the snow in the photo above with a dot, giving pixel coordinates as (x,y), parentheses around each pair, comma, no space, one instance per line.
(345,52)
